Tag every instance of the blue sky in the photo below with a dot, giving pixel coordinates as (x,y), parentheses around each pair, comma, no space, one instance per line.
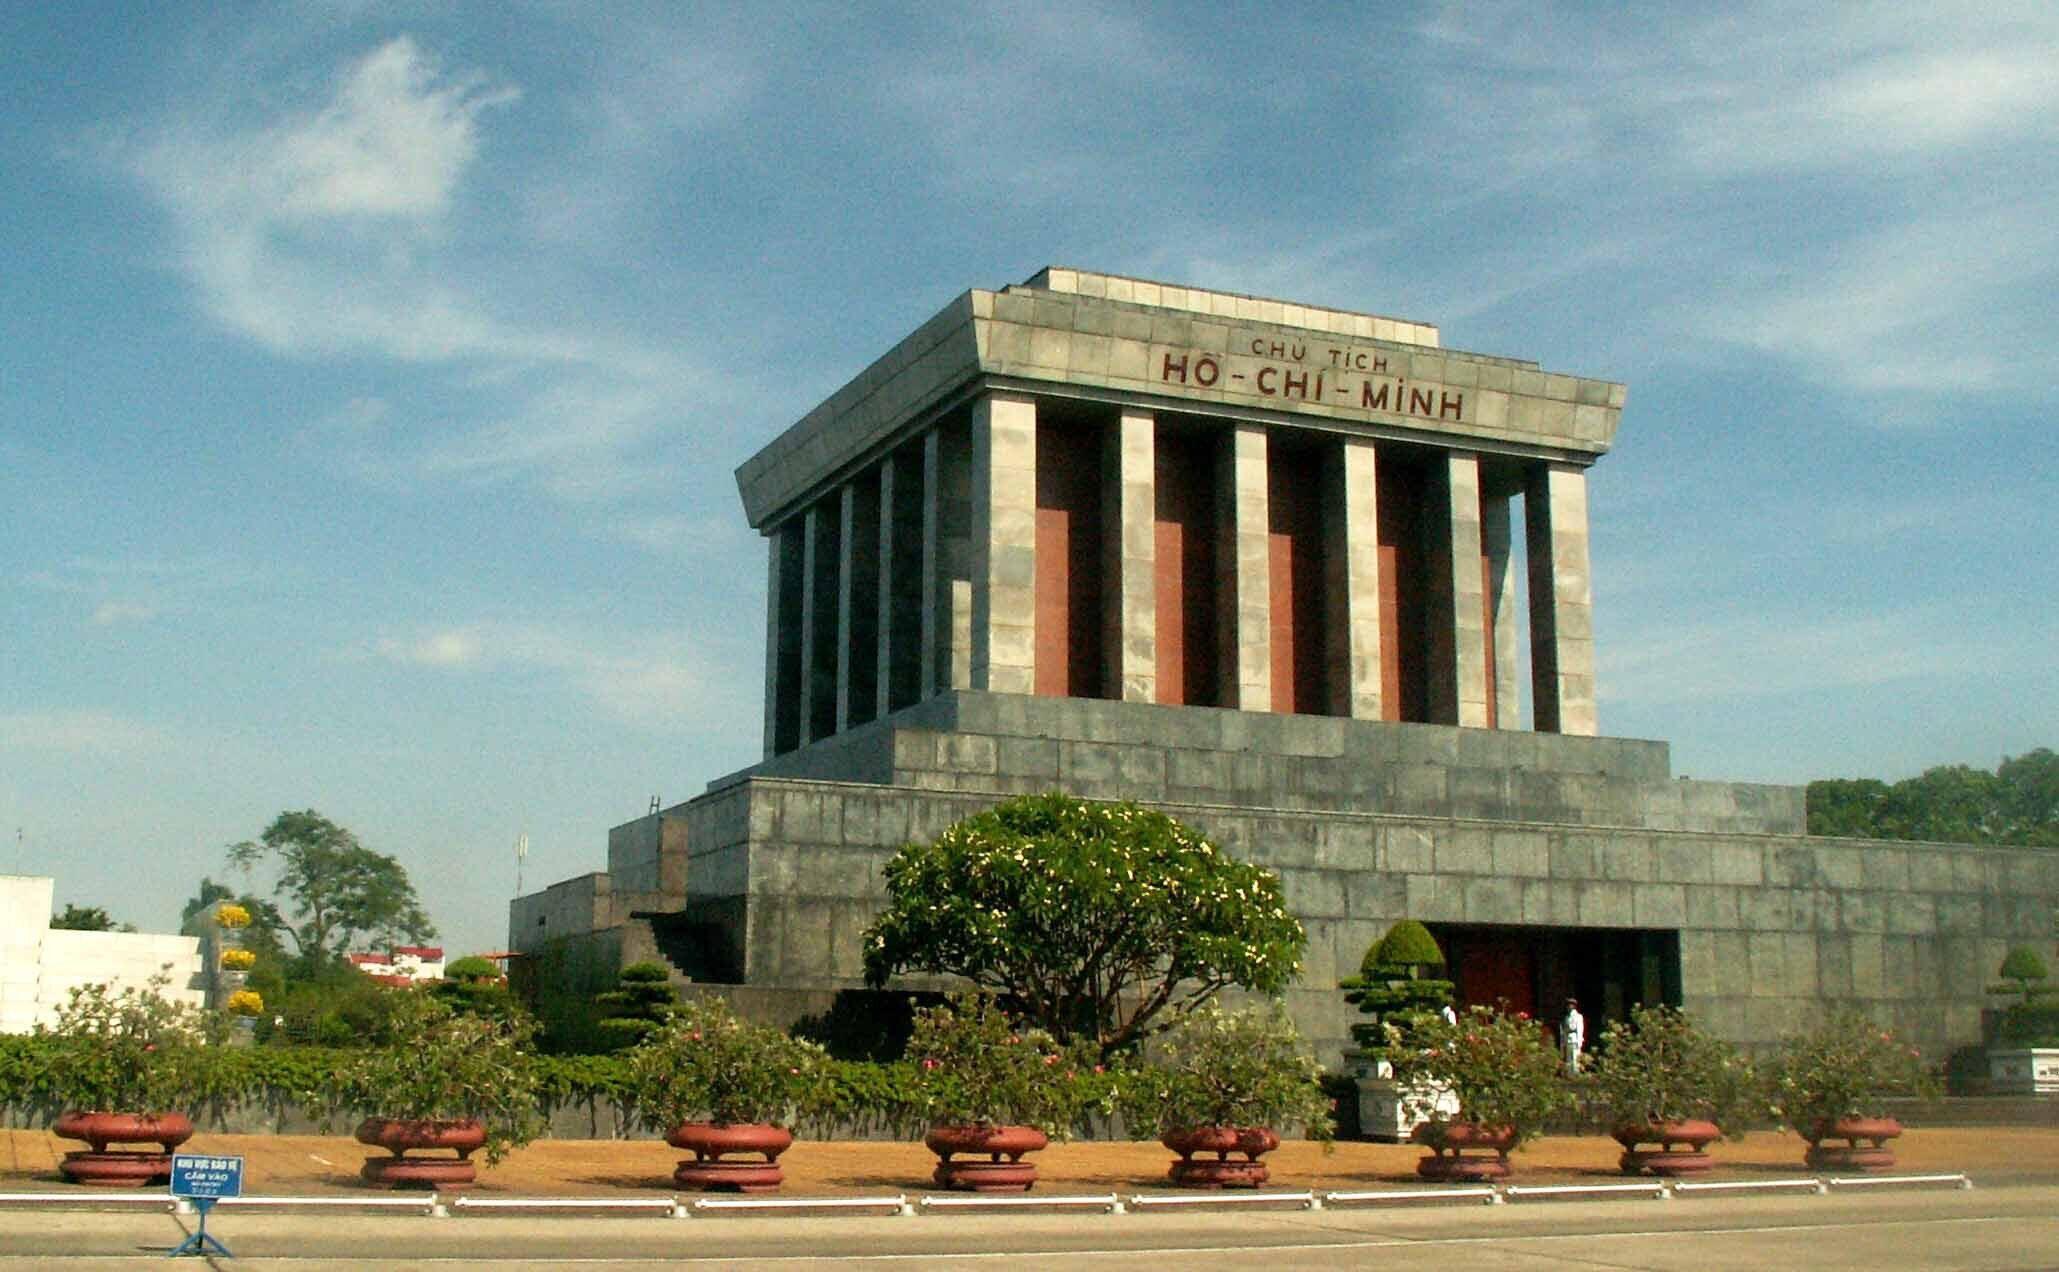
(373,378)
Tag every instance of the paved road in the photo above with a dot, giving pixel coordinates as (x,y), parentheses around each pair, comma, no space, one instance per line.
(1990,1228)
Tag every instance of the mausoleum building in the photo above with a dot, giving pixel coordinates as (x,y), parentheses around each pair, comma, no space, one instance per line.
(1255,563)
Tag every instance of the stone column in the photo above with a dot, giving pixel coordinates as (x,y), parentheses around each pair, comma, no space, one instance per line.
(857,611)
(903,571)
(1561,600)
(1129,538)
(775,634)
(1501,602)
(1468,666)
(946,561)
(1352,577)
(1004,543)
(1243,571)
(818,622)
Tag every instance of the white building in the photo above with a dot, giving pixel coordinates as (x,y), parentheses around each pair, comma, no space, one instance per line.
(402,965)
(40,965)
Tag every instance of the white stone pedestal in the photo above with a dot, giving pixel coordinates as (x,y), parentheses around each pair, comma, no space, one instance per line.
(2018,1071)
(1390,1110)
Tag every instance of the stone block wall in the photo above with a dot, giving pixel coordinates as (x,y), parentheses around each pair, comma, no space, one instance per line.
(1773,928)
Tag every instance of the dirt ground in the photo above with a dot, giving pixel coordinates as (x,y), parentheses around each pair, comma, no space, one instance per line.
(279,1164)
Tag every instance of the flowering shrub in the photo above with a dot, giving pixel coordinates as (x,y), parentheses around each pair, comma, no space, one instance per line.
(442,1066)
(1237,1069)
(238,960)
(129,1052)
(976,1067)
(244,1002)
(1658,1066)
(705,1064)
(1845,1067)
(1502,1069)
(230,915)
(1103,922)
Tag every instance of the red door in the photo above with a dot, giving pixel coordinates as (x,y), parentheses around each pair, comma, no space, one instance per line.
(1495,970)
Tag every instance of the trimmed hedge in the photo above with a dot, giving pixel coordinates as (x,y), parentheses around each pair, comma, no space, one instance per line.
(863,1096)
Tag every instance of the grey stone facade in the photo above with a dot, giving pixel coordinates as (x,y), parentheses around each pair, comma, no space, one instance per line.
(1367,823)
(1346,515)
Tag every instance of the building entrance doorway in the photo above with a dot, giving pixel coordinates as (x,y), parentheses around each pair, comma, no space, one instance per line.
(1535,970)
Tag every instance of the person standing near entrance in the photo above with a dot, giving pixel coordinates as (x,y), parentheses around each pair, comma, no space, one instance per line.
(1573,1036)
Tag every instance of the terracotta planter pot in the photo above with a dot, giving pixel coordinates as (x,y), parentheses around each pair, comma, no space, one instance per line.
(1864,1147)
(1249,1142)
(710,1142)
(128,1168)
(995,1143)
(398,1136)
(1680,1147)
(1465,1152)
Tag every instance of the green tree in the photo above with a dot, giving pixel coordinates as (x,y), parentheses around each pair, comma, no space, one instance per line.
(2030,797)
(1102,922)
(341,892)
(2018,803)
(1846,807)
(85,918)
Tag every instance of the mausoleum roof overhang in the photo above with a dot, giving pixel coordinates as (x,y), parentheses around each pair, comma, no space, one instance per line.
(1164,347)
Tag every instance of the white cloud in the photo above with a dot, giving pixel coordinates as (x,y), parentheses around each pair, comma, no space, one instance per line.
(347,227)
(636,677)
(111,613)
(1682,659)
(79,732)
(139,589)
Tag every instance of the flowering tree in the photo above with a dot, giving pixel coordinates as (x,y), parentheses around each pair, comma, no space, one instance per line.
(1100,922)
(1502,1068)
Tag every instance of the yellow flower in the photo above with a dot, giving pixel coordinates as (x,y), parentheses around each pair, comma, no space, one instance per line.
(239,960)
(245,1002)
(231,915)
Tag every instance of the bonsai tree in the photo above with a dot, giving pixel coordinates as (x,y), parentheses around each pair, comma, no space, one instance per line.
(440,1067)
(1845,1067)
(641,1000)
(1102,923)
(1502,1070)
(132,1051)
(1394,985)
(474,986)
(705,1064)
(1222,1068)
(1659,1068)
(2023,974)
(974,1066)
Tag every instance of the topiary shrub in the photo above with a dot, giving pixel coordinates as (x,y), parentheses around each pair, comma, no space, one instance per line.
(643,998)
(1393,985)
(2023,974)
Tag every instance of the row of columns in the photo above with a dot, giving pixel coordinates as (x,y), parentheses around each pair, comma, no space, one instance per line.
(920,576)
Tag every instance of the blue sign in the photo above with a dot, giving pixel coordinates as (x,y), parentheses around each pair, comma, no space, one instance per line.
(196,1175)
(206,1180)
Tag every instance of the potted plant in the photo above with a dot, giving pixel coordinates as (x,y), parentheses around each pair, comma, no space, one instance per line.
(1833,1083)
(122,1065)
(444,1079)
(1226,1083)
(991,1090)
(717,1086)
(1659,1079)
(1395,987)
(1505,1077)
(2025,1057)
